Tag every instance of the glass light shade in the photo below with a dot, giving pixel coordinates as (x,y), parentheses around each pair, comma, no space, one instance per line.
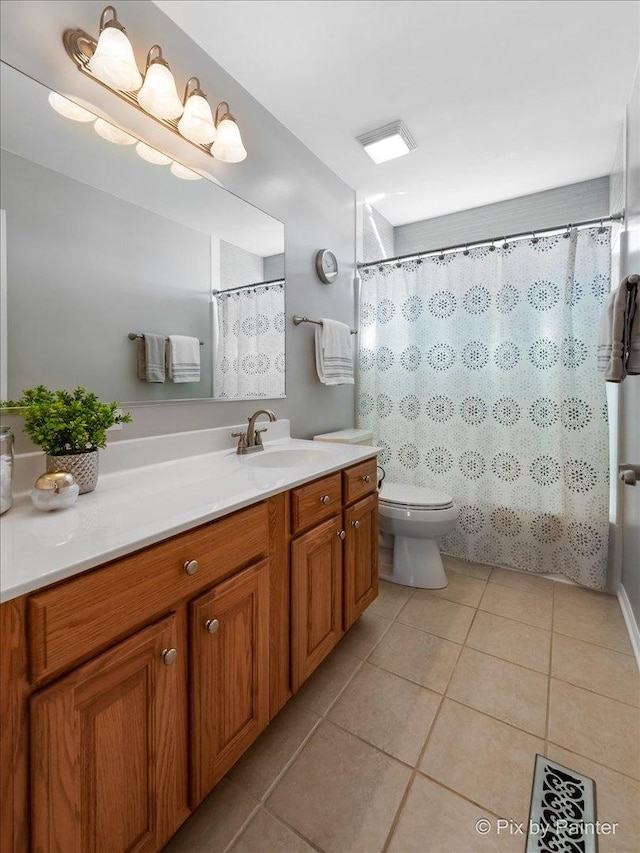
(152,155)
(113,61)
(228,145)
(185,174)
(69,109)
(112,134)
(159,95)
(196,123)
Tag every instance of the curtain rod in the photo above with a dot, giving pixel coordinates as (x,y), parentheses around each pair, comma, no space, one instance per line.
(601,220)
(246,286)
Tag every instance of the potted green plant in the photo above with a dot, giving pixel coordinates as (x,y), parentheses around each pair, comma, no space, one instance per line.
(69,427)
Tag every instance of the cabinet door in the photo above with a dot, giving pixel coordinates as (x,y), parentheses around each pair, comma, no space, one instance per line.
(361,558)
(105,750)
(316,586)
(229,674)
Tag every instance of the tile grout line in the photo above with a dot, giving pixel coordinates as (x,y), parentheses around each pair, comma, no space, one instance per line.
(548,710)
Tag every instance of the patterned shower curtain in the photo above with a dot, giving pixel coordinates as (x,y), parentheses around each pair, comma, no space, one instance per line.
(477,373)
(249,357)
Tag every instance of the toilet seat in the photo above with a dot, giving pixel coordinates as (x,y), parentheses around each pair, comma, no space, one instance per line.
(409,497)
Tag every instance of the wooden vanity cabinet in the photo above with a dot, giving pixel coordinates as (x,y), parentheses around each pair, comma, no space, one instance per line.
(360,558)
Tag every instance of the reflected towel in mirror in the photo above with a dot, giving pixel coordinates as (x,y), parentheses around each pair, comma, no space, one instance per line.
(183,358)
(151,357)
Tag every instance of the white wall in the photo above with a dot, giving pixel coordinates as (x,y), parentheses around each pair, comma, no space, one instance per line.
(280,176)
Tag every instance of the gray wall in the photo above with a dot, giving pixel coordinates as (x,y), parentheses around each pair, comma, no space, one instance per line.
(273,267)
(280,176)
(84,269)
(630,388)
(546,209)
(239,267)
(378,238)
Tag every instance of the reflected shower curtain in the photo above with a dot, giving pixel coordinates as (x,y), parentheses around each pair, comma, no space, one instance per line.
(249,356)
(477,373)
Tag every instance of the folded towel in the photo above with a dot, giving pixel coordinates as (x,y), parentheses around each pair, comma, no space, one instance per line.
(619,341)
(183,358)
(334,360)
(151,358)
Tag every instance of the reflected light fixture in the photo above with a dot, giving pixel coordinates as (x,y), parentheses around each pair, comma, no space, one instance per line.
(388,142)
(112,133)
(196,123)
(69,109)
(185,174)
(228,145)
(159,95)
(113,61)
(152,155)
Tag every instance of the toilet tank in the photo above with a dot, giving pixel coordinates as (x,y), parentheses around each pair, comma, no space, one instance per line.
(347,436)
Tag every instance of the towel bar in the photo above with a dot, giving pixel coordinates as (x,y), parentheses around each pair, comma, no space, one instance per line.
(133,336)
(297,320)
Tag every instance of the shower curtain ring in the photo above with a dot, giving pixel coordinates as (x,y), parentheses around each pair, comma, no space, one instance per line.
(466,251)
(441,255)
(492,247)
(534,238)
(505,245)
(567,233)
(601,229)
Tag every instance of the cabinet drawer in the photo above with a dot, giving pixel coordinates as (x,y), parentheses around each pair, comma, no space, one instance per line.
(90,612)
(316,501)
(359,480)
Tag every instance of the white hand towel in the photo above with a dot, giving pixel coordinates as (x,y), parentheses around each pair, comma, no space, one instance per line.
(619,341)
(334,359)
(151,357)
(633,325)
(183,358)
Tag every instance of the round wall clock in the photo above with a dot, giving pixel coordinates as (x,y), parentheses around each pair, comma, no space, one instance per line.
(326,266)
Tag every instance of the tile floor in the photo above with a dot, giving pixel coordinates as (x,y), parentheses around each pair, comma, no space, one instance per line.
(428,716)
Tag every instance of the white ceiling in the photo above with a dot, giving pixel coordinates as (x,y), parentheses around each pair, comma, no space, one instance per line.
(503,97)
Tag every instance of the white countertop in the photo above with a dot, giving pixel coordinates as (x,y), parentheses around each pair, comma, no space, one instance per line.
(140,506)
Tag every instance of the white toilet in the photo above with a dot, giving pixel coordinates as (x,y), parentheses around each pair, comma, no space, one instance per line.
(415,516)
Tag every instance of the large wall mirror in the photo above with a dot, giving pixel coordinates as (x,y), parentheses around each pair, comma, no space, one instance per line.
(103,246)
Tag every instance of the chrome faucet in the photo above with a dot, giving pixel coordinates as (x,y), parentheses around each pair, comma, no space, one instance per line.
(251,440)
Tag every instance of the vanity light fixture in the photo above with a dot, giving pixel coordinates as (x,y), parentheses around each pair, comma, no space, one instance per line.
(152,155)
(228,145)
(69,109)
(159,96)
(185,174)
(112,133)
(111,62)
(388,142)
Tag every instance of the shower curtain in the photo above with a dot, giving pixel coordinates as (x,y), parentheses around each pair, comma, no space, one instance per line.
(249,356)
(477,373)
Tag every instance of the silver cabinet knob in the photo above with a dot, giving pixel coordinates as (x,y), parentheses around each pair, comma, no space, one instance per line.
(169,656)
(325,499)
(355,524)
(341,534)
(191,567)
(212,625)
(366,478)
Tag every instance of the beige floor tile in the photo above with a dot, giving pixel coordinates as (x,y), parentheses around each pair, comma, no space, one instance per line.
(211,828)
(388,711)
(461,588)
(518,604)
(513,641)
(592,616)
(464,567)
(526,581)
(424,658)
(261,765)
(363,636)
(501,689)
(322,687)
(596,668)
(266,834)
(617,800)
(391,599)
(437,616)
(595,726)
(434,820)
(341,793)
(486,761)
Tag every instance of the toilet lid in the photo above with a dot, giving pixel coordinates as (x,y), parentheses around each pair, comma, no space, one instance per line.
(414,497)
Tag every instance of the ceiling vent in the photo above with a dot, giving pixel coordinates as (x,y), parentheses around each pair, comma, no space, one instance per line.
(388,142)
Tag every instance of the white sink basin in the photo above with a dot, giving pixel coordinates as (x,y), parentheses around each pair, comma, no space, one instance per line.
(291,457)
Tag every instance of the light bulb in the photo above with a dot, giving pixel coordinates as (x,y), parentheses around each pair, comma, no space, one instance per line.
(69,109)
(228,145)
(196,123)
(113,61)
(159,95)
(113,134)
(152,155)
(185,174)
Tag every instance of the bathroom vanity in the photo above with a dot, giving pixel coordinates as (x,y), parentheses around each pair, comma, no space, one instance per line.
(131,686)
